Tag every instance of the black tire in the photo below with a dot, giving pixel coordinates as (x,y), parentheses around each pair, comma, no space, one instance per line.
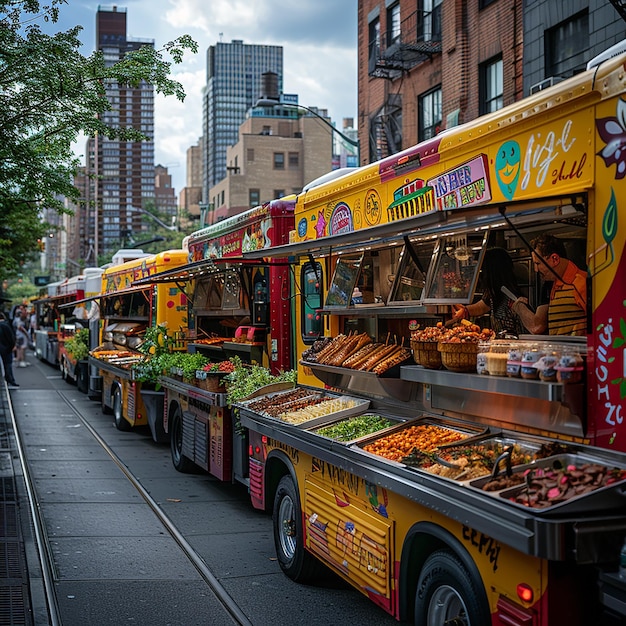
(294,560)
(448,594)
(180,462)
(107,410)
(82,378)
(118,413)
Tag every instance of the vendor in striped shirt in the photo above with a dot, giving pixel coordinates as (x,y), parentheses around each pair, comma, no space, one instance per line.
(566,313)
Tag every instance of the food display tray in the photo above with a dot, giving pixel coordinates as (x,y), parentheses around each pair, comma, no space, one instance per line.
(611,496)
(463,427)
(359,406)
(334,420)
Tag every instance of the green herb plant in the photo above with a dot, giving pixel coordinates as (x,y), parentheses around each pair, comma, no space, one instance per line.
(77,346)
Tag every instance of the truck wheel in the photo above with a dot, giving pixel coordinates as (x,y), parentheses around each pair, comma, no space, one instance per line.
(120,422)
(106,409)
(180,462)
(294,560)
(447,594)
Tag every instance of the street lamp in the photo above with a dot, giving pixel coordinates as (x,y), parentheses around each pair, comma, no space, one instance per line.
(267,103)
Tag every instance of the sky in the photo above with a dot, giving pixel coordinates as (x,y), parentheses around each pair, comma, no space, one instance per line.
(319,40)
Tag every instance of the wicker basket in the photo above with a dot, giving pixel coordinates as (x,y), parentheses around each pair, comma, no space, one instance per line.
(458,357)
(426,354)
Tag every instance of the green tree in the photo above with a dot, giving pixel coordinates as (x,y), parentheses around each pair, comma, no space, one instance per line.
(49,94)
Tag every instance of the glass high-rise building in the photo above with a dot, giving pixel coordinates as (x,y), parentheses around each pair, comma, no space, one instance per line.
(234,84)
(123,171)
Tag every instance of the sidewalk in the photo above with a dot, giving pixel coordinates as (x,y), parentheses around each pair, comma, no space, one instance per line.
(16,528)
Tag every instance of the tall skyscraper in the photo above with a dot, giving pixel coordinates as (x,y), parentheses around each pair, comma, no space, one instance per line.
(124,170)
(234,84)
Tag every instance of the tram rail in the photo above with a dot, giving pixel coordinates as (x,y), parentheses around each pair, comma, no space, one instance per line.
(122,536)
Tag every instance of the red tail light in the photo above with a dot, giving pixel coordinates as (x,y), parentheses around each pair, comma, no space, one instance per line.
(524,592)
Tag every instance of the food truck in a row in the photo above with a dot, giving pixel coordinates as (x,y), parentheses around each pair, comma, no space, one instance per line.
(51,315)
(81,318)
(127,310)
(236,308)
(453,475)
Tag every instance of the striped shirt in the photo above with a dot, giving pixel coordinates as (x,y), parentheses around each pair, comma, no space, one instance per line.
(567,311)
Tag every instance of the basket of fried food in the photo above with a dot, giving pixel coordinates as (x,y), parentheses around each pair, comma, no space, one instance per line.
(459,346)
(424,343)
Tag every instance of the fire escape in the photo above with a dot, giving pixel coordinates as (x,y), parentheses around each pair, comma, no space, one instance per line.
(620,7)
(418,40)
(392,54)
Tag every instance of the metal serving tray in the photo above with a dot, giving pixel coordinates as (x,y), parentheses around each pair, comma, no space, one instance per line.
(334,420)
(445,423)
(606,497)
(359,406)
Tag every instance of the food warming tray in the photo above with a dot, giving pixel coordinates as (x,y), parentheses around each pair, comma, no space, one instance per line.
(358,406)
(610,496)
(335,421)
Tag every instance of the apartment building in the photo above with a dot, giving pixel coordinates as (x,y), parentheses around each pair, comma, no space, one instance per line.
(432,64)
(234,81)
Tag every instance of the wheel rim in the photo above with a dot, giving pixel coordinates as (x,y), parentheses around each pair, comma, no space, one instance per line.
(447,607)
(287,531)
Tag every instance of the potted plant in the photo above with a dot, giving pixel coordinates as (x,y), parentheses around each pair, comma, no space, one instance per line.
(156,348)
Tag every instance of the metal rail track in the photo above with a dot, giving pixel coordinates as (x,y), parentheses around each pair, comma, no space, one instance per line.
(44,552)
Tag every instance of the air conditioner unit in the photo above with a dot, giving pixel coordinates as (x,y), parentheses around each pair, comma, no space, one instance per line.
(544,84)
(613,51)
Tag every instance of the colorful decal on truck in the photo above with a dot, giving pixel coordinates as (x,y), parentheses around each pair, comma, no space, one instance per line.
(413,198)
(463,186)
(508,163)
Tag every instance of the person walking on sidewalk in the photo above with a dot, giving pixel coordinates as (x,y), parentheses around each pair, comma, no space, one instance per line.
(7,345)
(21,336)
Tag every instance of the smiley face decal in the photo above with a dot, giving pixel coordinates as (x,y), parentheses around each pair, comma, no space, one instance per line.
(508,163)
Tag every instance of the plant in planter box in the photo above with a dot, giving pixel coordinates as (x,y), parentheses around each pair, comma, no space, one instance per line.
(77,347)
(156,346)
(189,363)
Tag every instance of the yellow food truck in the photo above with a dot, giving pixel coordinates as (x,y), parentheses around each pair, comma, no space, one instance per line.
(452,474)
(126,311)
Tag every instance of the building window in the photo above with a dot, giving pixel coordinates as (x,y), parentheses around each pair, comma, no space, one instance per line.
(431,20)
(294,159)
(279,193)
(491,86)
(254,197)
(484,3)
(393,24)
(374,42)
(250,155)
(429,112)
(567,46)
(279,160)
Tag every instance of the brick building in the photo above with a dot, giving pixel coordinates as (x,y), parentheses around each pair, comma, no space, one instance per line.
(432,64)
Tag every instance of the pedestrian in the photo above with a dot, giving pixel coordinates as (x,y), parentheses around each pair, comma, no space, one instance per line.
(21,336)
(7,345)
(566,312)
(497,271)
